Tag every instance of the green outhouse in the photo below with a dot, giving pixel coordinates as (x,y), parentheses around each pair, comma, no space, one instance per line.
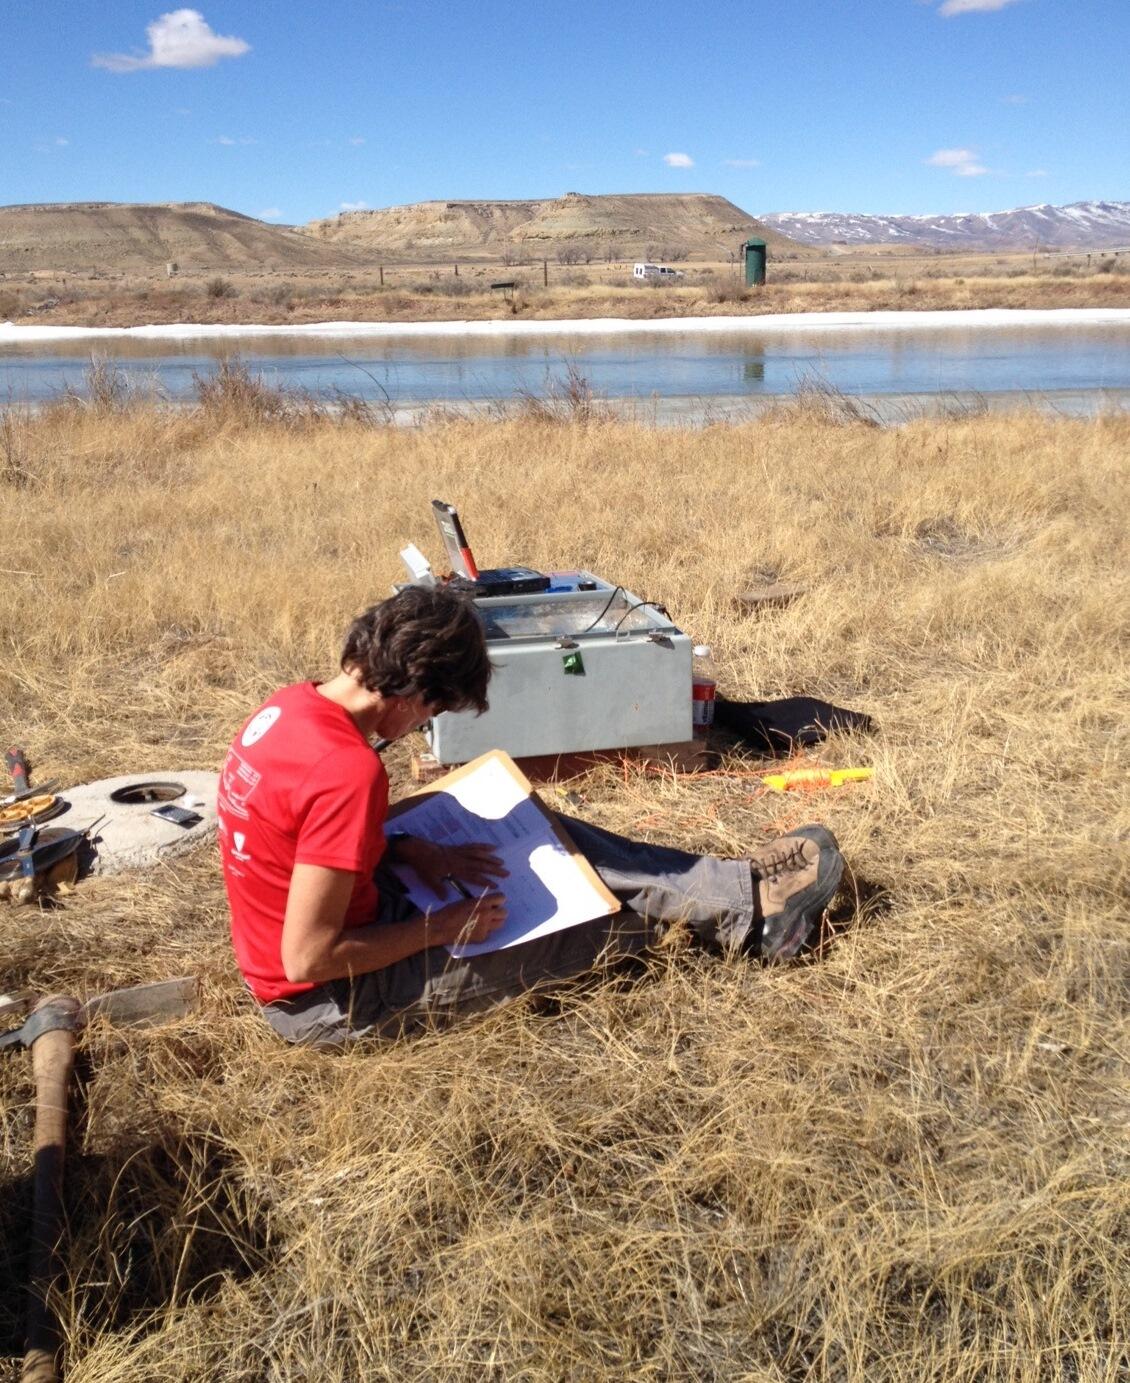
(754,256)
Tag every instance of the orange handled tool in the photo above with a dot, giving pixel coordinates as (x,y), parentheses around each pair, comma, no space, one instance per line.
(816,778)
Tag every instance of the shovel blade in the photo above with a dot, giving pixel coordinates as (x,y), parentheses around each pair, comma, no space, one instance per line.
(145,1005)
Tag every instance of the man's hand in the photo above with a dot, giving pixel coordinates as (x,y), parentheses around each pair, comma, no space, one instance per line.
(466,921)
(434,865)
(317,946)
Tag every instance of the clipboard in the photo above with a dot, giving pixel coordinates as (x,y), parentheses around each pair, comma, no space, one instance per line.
(490,801)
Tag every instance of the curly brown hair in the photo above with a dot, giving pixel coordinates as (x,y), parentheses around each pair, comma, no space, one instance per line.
(424,639)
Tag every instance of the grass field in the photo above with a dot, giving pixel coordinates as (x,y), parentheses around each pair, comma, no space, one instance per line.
(856,282)
(904,1160)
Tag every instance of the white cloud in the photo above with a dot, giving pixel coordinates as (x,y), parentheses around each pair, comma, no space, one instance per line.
(354,206)
(742,162)
(229,142)
(678,160)
(61,141)
(1037,173)
(640,153)
(964,162)
(271,213)
(1015,100)
(357,139)
(181,38)
(952,7)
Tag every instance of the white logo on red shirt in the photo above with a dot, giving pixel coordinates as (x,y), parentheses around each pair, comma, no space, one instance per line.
(239,840)
(259,724)
(238,780)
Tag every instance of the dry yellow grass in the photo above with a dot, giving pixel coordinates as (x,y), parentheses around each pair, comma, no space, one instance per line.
(905,1161)
(850,283)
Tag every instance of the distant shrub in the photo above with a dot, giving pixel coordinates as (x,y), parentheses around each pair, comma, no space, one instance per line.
(456,287)
(11,304)
(277,295)
(221,288)
(106,386)
(720,288)
(567,399)
(105,389)
(234,393)
(17,450)
(817,401)
(666,254)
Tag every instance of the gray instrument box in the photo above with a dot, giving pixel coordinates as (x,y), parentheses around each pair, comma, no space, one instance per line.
(574,670)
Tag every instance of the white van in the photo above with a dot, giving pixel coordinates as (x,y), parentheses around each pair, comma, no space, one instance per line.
(656,271)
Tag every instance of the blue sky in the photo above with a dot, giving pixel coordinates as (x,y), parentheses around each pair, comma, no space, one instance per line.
(292,110)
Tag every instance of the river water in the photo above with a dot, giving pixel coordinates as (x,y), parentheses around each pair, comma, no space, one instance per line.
(1077,362)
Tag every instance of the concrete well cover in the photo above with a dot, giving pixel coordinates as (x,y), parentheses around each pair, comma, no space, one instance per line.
(131,837)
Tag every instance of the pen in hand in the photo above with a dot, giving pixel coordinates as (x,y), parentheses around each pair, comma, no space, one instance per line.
(460,887)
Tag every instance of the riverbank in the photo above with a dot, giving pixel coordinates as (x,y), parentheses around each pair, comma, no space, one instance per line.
(16,334)
(429,295)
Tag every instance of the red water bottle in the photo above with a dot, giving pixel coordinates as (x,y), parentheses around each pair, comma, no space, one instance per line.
(703,689)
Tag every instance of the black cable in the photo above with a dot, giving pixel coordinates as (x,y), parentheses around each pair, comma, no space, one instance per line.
(661,608)
(611,598)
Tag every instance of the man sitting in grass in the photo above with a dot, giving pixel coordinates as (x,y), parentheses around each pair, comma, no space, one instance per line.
(323,932)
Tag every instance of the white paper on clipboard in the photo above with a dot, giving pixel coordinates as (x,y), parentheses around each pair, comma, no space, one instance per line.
(488,802)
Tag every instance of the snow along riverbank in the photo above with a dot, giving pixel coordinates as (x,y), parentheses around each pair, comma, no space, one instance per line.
(12,334)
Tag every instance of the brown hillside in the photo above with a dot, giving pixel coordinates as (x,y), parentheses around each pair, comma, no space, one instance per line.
(622,227)
(91,237)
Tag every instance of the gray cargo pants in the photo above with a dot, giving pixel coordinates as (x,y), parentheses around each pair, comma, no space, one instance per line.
(655,885)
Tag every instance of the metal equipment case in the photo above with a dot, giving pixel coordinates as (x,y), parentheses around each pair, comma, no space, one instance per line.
(581,666)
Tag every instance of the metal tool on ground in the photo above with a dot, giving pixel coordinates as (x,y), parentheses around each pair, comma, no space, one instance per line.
(50,1034)
(33,810)
(40,788)
(16,761)
(26,804)
(37,862)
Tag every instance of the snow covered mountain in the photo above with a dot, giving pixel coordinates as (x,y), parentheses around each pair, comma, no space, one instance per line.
(1080,226)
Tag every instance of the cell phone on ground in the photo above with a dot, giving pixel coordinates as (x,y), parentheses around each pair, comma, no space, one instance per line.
(179,816)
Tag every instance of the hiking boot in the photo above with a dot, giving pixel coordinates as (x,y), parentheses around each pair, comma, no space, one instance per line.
(795,877)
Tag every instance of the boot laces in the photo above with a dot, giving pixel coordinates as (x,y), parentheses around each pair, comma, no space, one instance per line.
(784,861)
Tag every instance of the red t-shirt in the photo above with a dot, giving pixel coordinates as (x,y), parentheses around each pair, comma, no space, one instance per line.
(300,785)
